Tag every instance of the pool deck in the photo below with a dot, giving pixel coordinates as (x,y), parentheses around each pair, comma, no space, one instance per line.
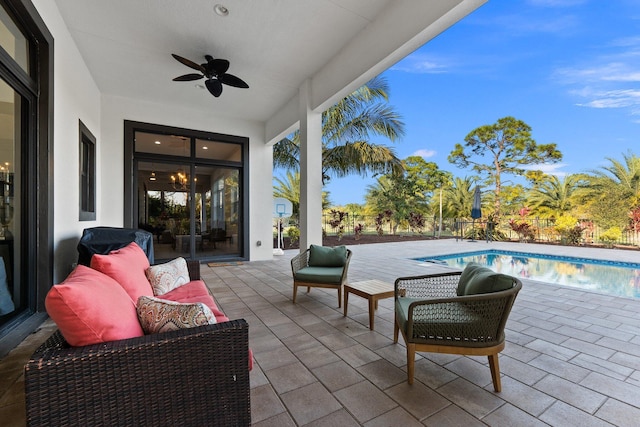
(572,356)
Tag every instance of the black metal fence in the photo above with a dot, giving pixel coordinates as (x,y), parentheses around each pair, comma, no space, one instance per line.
(543,230)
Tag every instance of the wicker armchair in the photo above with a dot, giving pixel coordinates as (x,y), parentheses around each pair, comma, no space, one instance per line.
(433,318)
(318,277)
(194,376)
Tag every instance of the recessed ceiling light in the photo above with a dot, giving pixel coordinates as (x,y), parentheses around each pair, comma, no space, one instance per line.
(205,148)
(157,143)
(221,10)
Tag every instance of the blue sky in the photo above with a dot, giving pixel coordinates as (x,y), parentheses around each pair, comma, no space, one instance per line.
(570,69)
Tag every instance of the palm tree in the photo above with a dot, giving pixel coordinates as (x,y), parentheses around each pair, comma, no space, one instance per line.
(614,191)
(288,188)
(553,196)
(625,175)
(458,198)
(346,130)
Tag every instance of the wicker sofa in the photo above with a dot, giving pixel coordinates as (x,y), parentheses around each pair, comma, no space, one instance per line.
(197,376)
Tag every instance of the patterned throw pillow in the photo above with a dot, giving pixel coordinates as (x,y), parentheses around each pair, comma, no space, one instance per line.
(168,276)
(157,315)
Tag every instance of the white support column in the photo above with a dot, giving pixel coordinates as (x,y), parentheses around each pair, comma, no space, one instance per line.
(310,171)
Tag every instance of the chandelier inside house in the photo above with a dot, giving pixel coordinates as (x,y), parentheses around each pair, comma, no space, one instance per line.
(180,181)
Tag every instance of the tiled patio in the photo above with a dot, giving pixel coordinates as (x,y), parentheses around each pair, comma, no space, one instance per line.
(572,356)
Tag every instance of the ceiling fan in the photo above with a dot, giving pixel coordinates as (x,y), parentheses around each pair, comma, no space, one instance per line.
(215,72)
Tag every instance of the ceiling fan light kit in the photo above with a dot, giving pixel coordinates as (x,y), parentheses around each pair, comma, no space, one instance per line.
(214,71)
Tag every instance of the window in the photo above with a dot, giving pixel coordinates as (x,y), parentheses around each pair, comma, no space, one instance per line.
(87,174)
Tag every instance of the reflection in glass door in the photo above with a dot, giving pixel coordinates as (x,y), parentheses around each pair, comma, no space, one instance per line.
(190,213)
(13,295)
(217,211)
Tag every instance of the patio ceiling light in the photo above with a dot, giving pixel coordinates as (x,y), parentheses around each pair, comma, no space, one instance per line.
(221,10)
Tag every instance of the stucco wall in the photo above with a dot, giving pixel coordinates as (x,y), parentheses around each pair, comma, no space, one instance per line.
(77,97)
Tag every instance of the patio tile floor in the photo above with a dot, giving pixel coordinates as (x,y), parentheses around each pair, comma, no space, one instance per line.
(572,356)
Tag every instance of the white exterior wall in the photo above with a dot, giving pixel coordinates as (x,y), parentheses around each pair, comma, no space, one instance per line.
(77,97)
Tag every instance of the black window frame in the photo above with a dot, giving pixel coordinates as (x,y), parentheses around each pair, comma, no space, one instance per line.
(87,174)
(131,157)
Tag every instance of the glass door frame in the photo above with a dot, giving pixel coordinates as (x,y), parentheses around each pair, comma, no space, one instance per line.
(131,159)
(36,154)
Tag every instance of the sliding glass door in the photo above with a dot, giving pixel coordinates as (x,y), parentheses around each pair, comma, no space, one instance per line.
(189,193)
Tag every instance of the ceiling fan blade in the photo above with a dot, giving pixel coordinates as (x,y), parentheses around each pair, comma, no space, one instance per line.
(188,77)
(214,87)
(231,80)
(189,63)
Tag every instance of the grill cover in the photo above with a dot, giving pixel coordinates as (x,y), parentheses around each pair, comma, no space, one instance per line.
(102,240)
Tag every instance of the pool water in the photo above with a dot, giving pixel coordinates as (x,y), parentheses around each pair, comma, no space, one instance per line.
(610,277)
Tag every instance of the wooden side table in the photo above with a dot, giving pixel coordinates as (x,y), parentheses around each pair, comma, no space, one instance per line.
(372,290)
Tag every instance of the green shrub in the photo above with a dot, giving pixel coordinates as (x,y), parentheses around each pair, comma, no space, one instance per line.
(294,234)
(611,236)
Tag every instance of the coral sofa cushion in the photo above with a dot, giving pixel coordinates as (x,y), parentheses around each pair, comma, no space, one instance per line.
(90,307)
(126,266)
(157,315)
(168,276)
(192,292)
(323,256)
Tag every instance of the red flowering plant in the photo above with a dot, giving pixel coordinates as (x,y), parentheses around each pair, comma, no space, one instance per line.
(523,229)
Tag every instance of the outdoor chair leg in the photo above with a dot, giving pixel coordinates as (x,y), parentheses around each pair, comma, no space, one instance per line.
(411,360)
(295,292)
(495,372)
(396,329)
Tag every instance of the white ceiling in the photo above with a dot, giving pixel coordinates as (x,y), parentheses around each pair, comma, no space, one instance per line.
(273,45)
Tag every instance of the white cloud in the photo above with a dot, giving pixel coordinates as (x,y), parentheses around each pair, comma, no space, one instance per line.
(548,168)
(424,153)
(614,99)
(422,64)
(609,81)
(556,3)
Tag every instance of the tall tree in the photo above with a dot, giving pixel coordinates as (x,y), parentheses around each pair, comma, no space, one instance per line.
(347,128)
(502,148)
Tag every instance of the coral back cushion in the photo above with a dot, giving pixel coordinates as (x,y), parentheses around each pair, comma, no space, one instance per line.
(90,307)
(126,266)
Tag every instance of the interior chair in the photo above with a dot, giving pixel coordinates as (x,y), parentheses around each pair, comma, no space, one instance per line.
(321,267)
(457,313)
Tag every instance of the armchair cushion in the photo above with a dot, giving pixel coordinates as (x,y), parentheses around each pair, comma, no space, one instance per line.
(323,256)
(126,266)
(72,306)
(157,315)
(476,279)
(168,276)
(320,275)
(468,272)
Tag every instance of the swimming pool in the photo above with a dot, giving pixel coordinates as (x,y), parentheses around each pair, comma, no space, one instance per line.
(610,277)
